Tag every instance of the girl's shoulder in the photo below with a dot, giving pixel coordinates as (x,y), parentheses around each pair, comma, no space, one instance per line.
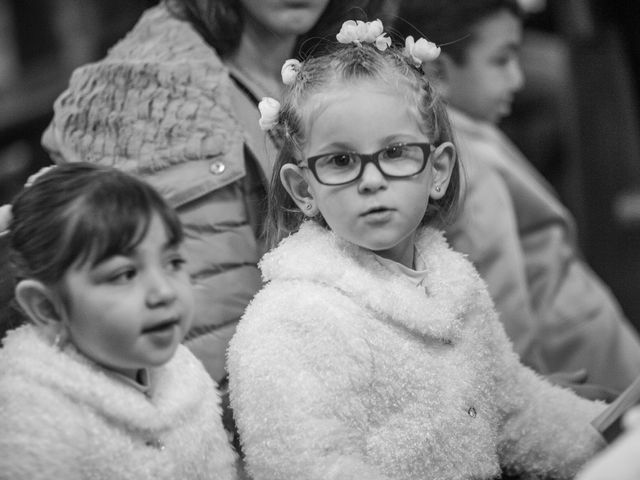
(30,407)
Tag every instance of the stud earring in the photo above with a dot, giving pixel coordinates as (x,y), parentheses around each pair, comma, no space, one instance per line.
(438,188)
(308,206)
(60,339)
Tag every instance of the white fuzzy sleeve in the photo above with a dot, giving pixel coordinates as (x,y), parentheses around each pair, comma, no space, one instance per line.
(290,382)
(546,430)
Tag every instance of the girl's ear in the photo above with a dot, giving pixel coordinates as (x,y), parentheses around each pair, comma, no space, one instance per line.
(443,159)
(41,304)
(296,185)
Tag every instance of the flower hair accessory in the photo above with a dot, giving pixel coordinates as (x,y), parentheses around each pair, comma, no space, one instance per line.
(290,71)
(5,218)
(420,51)
(360,32)
(269,113)
(5,210)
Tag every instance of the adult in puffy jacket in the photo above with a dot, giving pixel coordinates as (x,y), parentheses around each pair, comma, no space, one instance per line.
(175,102)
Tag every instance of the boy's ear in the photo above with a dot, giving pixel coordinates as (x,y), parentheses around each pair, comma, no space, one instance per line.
(297,187)
(443,159)
(40,303)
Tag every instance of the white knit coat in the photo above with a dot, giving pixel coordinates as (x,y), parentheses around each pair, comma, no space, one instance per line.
(62,417)
(342,369)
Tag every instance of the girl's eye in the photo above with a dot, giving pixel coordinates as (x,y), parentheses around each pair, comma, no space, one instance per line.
(394,151)
(123,275)
(176,263)
(341,160)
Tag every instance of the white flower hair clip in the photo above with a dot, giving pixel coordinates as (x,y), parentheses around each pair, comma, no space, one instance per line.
(5,219)
(289,71)
(359,32)
(269,113)
(420,51)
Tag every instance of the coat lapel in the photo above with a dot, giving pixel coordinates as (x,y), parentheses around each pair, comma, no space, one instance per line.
(315,254)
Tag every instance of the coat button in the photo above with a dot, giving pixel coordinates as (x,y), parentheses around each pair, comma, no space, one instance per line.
(472,412)
(217,168)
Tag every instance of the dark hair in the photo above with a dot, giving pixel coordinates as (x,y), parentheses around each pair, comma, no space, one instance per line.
(449,23)
(350,64)
(81,212)
(221,22)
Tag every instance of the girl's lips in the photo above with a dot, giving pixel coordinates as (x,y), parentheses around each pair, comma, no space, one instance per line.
(164,334)
(159,327)
(377,215)
(374,211)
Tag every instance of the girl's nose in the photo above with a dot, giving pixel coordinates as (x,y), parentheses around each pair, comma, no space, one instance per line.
(160,289)
(372,179)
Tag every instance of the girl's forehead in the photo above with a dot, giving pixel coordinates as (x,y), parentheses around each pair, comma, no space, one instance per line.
(341,89)
(353,96)
(359,116)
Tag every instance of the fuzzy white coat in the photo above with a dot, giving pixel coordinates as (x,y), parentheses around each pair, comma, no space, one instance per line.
(342,369)
(63,417)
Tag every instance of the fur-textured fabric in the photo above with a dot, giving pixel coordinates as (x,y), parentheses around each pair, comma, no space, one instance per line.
(63,417)
(343,369)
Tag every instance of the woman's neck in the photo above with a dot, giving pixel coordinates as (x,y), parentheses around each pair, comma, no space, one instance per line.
(260,56)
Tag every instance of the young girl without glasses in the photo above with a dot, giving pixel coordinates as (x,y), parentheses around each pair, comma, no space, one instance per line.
(97,385)
(374,350)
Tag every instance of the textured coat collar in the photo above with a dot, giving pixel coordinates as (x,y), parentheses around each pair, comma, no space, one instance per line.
(452,285)
(30,356)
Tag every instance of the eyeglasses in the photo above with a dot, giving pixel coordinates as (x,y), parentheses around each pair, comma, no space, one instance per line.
(401,160)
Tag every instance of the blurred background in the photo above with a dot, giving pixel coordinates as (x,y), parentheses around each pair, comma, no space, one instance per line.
(577,119)
(41,42)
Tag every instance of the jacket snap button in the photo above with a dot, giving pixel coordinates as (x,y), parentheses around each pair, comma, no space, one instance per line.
(472,412)
(217,168)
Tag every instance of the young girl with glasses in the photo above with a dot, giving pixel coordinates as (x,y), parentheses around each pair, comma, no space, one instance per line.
(374,350)
(97,385)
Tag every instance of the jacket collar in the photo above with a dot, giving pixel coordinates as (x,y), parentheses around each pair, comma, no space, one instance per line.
(174,389)
(317,255)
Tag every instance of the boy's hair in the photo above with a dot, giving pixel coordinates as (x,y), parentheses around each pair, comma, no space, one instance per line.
(349,64)
(81,212)
(449,23)
(221,22)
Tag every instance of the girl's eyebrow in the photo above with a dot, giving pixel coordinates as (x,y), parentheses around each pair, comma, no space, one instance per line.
(335,147)
(401,138)
(338,147)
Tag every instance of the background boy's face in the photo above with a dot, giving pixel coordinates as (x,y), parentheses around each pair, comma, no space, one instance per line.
(484,84)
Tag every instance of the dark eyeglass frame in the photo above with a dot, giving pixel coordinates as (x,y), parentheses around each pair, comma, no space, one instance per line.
(366,158)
